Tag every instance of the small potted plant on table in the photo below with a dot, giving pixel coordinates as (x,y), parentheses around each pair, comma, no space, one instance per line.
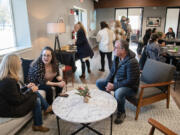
(84,91)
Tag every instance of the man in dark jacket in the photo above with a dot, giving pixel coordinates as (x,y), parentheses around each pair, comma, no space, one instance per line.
(123,78)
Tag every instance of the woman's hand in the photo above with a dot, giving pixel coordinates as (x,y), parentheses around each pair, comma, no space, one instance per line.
(34,88)
(61,84)
(58,84)
(59,78)
(30,85)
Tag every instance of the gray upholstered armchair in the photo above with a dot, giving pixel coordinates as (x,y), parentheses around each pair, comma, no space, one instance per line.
(156,79)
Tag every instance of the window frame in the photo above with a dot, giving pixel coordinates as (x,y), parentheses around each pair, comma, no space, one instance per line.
(26,44)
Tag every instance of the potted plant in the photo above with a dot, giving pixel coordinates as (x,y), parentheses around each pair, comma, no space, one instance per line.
(84,91)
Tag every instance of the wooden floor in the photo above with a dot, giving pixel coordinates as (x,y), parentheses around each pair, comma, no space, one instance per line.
(95,74)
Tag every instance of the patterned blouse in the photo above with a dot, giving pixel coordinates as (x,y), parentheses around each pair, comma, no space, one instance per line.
(154,51)
(37,73)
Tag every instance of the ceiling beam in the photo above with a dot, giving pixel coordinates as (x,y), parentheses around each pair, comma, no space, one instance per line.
(136,3)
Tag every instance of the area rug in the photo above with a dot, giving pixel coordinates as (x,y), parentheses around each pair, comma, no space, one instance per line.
(169,117)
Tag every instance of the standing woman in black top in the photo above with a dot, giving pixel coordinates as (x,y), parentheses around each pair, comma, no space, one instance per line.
(84,50)
(16,101)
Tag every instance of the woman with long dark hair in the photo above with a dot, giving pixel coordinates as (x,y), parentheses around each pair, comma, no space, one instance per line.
(44,71)
(153,49)
(147,36)
(84,51)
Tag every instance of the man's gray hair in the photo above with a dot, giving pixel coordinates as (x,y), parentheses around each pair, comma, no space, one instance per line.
(124,44)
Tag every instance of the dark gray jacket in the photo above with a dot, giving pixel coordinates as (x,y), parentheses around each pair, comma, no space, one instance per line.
(127,74)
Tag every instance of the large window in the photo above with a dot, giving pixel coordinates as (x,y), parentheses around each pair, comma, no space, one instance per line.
(80,16)
(14,26)
(134,15)
(7,39)
(120,13)
(172,17)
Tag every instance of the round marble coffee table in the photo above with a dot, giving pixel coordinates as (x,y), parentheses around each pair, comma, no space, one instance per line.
(101,105)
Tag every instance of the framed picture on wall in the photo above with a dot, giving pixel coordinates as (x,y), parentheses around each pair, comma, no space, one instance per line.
(153,22)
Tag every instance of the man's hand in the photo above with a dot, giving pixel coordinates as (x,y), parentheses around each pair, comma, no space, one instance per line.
(110,87)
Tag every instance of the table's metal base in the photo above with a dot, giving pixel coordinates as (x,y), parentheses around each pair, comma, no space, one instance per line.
(86,126)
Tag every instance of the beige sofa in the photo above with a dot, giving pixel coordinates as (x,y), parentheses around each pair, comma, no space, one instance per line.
(9,126)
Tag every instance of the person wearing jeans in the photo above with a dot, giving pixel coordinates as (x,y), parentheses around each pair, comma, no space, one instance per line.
(120,94)
(123,78)
(17,99)
(37,111)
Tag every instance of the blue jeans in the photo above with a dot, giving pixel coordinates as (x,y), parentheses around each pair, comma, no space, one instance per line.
(37,113)
(120,94)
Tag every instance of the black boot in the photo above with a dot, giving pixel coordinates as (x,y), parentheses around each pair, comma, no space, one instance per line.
(82,76)
(120,118)
(102,70)
(89,71)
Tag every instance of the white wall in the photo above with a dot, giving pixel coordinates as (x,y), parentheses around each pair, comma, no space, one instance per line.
(42,12)
(154,12)
(104,14)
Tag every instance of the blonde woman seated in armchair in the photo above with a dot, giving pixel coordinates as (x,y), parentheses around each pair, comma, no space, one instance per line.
(15,101)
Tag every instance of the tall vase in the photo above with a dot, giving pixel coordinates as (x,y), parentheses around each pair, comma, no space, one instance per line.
(86,99)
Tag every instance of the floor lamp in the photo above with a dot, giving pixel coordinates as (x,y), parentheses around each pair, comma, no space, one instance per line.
(56,28)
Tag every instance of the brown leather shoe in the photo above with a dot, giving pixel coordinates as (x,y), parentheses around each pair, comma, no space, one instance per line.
(48,110)
(40,128)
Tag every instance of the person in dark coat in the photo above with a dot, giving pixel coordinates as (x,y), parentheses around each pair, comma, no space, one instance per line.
(154,30)
(147,36)
(44,71)
(15,101)
(123,78)
(84,51)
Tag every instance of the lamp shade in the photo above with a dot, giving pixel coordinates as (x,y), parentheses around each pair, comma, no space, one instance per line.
(56,27)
